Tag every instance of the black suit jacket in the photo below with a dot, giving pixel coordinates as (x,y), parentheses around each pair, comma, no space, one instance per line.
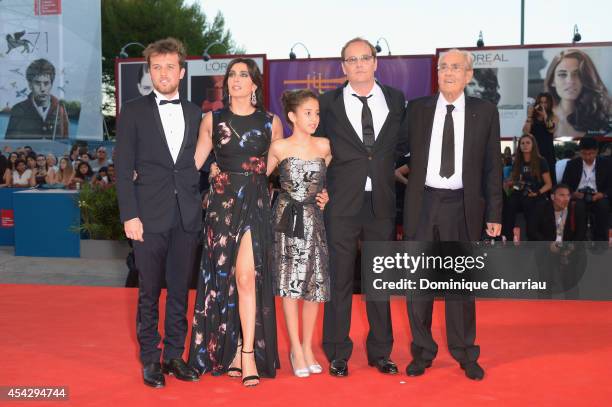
(142,147)
(482,166)
(352,163)
(545,227)
(603,174)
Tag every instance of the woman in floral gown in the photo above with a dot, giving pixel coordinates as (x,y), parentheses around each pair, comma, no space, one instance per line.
(234,325)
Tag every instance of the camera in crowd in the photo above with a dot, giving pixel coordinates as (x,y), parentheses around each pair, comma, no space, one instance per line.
(564,250)
(525,187)
(588,194)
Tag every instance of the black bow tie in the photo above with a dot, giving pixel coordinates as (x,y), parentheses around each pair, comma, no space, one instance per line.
(173,101)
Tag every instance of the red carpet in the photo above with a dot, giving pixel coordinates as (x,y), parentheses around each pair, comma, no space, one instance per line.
(547,353)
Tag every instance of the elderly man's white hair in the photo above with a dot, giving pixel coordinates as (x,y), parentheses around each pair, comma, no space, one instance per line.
(469,58)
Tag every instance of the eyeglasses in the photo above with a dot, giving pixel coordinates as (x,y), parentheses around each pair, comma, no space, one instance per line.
(363,58)
(454,68)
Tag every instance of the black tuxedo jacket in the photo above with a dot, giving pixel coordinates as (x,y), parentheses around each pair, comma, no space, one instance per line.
(482,166)
(142,147)
(352,163)
(603,174)
(545,226)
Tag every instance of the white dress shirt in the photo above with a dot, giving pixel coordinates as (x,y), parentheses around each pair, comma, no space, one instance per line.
(560,168)
(433,178)
(173,123)
(378,106)
(587,179)
(42,111)
(560,219)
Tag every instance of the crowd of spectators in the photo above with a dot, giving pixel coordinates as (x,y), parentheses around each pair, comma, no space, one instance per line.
(26,168)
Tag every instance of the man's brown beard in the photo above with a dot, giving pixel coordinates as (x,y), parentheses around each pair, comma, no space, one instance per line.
(172,92)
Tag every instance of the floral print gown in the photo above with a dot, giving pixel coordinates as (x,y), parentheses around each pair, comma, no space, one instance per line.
(238,202)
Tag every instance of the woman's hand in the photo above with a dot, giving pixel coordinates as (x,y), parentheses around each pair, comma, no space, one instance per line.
(214,171)
(322,199)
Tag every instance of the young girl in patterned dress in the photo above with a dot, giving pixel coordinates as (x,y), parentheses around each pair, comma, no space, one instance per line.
(299,251)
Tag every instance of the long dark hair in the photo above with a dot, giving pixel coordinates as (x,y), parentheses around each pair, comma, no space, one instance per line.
(65,174)
(549,101)
(75,147)
(78,170)
(534,162)
(592,108)
(11,165)
(255,76)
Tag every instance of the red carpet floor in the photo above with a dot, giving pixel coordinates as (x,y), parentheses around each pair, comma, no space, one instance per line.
(547,353)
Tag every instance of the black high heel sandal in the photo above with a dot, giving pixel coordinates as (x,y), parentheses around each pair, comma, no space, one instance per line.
(252,377)
(236,369)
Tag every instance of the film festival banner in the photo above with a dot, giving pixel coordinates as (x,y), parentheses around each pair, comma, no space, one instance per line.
(577,77)
(411,74)
(50,70)
(202,83)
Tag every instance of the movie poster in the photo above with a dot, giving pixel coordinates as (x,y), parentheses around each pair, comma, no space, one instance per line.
(50,70)
(577,78)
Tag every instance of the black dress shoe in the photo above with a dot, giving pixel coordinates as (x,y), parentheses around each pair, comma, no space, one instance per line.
(179,369)
(384,365)
(152,375)
(473,370)
(338,368)
(417,367)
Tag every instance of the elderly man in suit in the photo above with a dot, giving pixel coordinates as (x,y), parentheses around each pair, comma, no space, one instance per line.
(454,191)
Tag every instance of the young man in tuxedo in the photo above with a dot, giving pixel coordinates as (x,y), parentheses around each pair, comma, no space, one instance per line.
(362,121)
(160,205)
(454,191)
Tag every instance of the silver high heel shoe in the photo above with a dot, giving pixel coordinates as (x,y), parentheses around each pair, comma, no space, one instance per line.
(301,372)
(315,368)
